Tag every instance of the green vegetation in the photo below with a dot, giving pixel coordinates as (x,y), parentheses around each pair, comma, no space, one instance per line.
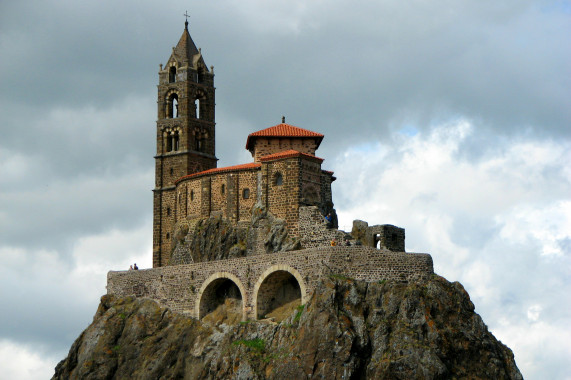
(256,344)
(298,314)
(340,277)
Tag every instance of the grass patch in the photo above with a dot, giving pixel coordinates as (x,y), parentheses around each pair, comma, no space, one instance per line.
(340,277)
(381,282)
(298,314)
(256,344)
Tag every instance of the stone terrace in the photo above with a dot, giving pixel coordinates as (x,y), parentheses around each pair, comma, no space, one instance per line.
(183,288)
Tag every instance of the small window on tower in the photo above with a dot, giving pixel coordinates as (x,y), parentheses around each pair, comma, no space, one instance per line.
(197,107)
(175,141)
(169,143)
(191,195)
(172,74)
(278,179)
(246,193)
(222,189)
(168,211)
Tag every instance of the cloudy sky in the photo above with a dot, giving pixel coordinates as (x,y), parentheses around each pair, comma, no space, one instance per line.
(451,119)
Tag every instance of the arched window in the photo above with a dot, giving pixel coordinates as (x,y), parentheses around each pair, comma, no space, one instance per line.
(197,107)
(169,144)
(278,179)
(172,140)
(172,74)
(175,141)
(172,106)
(246,193)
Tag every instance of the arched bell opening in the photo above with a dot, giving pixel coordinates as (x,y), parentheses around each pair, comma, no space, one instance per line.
(172,106)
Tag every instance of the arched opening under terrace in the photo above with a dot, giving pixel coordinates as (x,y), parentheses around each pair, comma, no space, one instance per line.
(278,292)
(221,299)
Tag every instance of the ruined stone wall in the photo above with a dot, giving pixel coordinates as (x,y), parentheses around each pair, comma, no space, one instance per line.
(314,231)
(379,236)
(180,287)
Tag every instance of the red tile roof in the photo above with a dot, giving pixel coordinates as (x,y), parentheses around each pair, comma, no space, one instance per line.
(283,130)
(288,154)
(251,165)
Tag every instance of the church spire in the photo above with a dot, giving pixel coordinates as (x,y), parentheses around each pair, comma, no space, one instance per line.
(185,53)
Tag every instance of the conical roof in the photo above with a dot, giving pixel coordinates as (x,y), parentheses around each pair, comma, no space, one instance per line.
(185,52)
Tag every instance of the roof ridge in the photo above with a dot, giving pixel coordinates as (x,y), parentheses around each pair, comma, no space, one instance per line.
(284,130)
(289,153)
(249,165)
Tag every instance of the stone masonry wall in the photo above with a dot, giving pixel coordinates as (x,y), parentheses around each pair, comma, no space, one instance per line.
(266,146)
(180,287)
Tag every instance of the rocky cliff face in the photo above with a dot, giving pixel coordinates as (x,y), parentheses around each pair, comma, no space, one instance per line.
(219,239)
(348,330)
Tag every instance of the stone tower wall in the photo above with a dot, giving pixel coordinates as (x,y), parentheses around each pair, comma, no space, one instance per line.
(185,139)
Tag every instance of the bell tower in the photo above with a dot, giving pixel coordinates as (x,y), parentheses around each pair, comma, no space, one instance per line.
(185,134)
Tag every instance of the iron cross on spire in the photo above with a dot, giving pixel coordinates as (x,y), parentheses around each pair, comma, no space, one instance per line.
(186,22)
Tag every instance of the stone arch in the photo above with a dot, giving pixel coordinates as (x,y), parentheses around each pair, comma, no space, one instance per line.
(172,104)
(209,288)
(279,269)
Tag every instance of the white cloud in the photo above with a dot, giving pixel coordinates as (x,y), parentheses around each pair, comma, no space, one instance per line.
(20,362)
(500,225)
(53,298)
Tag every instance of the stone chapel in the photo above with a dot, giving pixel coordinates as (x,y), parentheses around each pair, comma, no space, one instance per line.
(284,176)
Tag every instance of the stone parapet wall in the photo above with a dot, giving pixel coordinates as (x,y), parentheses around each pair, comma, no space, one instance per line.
(180,287)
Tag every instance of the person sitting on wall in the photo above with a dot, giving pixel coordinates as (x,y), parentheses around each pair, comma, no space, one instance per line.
(130,267)
(347,243)
(135,267)
(329,220)
(333,243)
